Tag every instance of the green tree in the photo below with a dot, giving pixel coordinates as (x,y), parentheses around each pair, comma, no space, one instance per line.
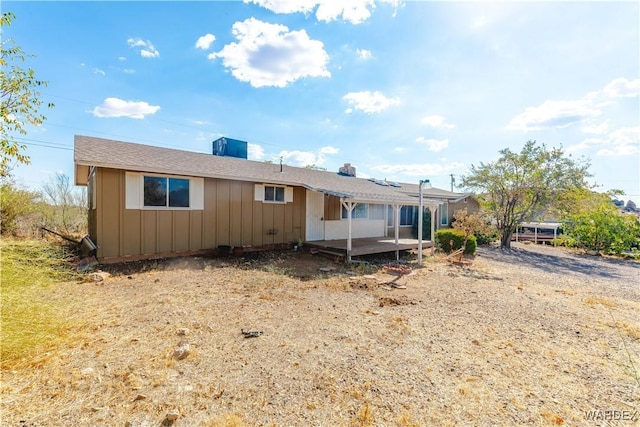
(519,186)
(593,222)
(17,204)
(20,99)
(68,204)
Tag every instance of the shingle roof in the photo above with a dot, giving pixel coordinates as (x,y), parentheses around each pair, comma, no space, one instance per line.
(91,151)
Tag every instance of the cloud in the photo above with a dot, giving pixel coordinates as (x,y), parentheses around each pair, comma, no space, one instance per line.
(205,41)
(364,54)
(436,122)
(307,158)
(369,102)
(418,169)
(99,71)
(554,114)
(353,11)
(434,145)
(255,151)
(122,58)
(560,114)
(271,55)
(621,142)
(115,107)
(147,50)
(622,88)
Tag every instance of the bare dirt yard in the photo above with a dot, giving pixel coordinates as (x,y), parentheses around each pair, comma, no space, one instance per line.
(532,336)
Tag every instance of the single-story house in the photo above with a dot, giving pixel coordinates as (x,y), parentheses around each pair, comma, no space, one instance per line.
(147,201)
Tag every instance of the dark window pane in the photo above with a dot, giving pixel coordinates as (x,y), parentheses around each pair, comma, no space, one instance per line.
(155,191)
(279,194)
(178,193)
(269,193)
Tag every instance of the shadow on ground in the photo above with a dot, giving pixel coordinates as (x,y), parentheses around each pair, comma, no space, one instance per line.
(554,260)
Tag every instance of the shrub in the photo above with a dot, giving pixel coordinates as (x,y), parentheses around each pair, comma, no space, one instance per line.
(449,240)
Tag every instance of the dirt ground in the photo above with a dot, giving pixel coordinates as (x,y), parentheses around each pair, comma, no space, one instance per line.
(532,336)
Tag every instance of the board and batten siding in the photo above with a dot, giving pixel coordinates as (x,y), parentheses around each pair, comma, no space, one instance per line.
(230,215)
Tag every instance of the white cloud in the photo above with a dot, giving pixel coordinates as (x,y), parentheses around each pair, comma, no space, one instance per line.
(434,145)
(598,129)
(255,151)
(364,54)
(353,11)
(306,158)
(554,114)
(205,41)
(99,71)
(437,121)
(418,169)
(369,102)
(621,142)
(115,107)
(271,55)
(622,88)
(129,71)
(560,114)
(147,50)
(122,58)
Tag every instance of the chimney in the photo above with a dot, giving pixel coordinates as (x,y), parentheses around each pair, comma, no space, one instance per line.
(347,170)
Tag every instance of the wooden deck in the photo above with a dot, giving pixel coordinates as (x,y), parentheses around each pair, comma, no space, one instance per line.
(366,246)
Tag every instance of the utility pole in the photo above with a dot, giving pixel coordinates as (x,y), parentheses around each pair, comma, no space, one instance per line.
(453,180)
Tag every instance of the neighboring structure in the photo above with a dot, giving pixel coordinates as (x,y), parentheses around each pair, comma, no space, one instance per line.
(147,201)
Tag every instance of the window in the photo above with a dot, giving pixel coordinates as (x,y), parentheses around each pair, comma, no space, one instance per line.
(444,213)
(273,193)
(360,211)
(168,192)
(407,213)
(407,216)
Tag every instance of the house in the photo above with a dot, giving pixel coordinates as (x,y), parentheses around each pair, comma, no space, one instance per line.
(147,201)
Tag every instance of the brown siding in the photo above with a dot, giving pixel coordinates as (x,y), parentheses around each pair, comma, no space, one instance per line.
(231,216)
(332,208)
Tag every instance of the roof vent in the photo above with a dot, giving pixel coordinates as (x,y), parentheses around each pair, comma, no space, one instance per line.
(347,170)
(230,148)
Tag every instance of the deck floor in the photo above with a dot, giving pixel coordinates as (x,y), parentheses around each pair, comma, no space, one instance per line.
(366,246)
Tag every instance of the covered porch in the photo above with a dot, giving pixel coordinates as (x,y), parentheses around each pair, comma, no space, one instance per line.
(366,246)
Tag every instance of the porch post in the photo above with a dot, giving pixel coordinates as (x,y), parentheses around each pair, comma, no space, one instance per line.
(396,227)
(349,207)
(432,208)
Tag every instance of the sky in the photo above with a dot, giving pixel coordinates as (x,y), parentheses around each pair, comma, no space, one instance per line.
(402,90)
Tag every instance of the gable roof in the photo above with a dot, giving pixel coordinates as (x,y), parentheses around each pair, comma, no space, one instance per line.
(99,152)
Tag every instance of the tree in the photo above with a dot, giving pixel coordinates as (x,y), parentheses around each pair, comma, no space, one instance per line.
(519,186)
(17,204)
(69,204)
(20,100)
(469,225)
(594,223)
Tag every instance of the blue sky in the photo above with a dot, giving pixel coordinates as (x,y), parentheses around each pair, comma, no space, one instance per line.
(402,90)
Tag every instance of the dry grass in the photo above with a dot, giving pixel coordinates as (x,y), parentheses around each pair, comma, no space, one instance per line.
(31,324)
(458,346)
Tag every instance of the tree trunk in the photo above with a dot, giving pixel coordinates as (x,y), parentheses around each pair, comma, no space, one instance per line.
(505,241)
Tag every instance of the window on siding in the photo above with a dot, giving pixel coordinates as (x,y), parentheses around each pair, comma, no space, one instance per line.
(168,192)
(407,215)
(376,211)
(444,213)
(361,211)
(273,193)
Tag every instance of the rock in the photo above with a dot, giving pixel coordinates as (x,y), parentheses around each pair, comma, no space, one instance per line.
(99,276)
(326,269)
(183,331)
(140,397)
(173,415)
(181,351)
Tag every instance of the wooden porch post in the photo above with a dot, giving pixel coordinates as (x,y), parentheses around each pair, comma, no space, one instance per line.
(349,206)
(432,208)
(396,226)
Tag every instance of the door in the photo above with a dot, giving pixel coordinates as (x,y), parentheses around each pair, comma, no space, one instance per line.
(314,220)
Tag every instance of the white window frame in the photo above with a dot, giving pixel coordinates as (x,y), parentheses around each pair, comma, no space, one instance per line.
(444,213)
(134,192)
(260,191)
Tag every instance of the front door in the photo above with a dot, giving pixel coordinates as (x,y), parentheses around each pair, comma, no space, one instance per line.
(314,218)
